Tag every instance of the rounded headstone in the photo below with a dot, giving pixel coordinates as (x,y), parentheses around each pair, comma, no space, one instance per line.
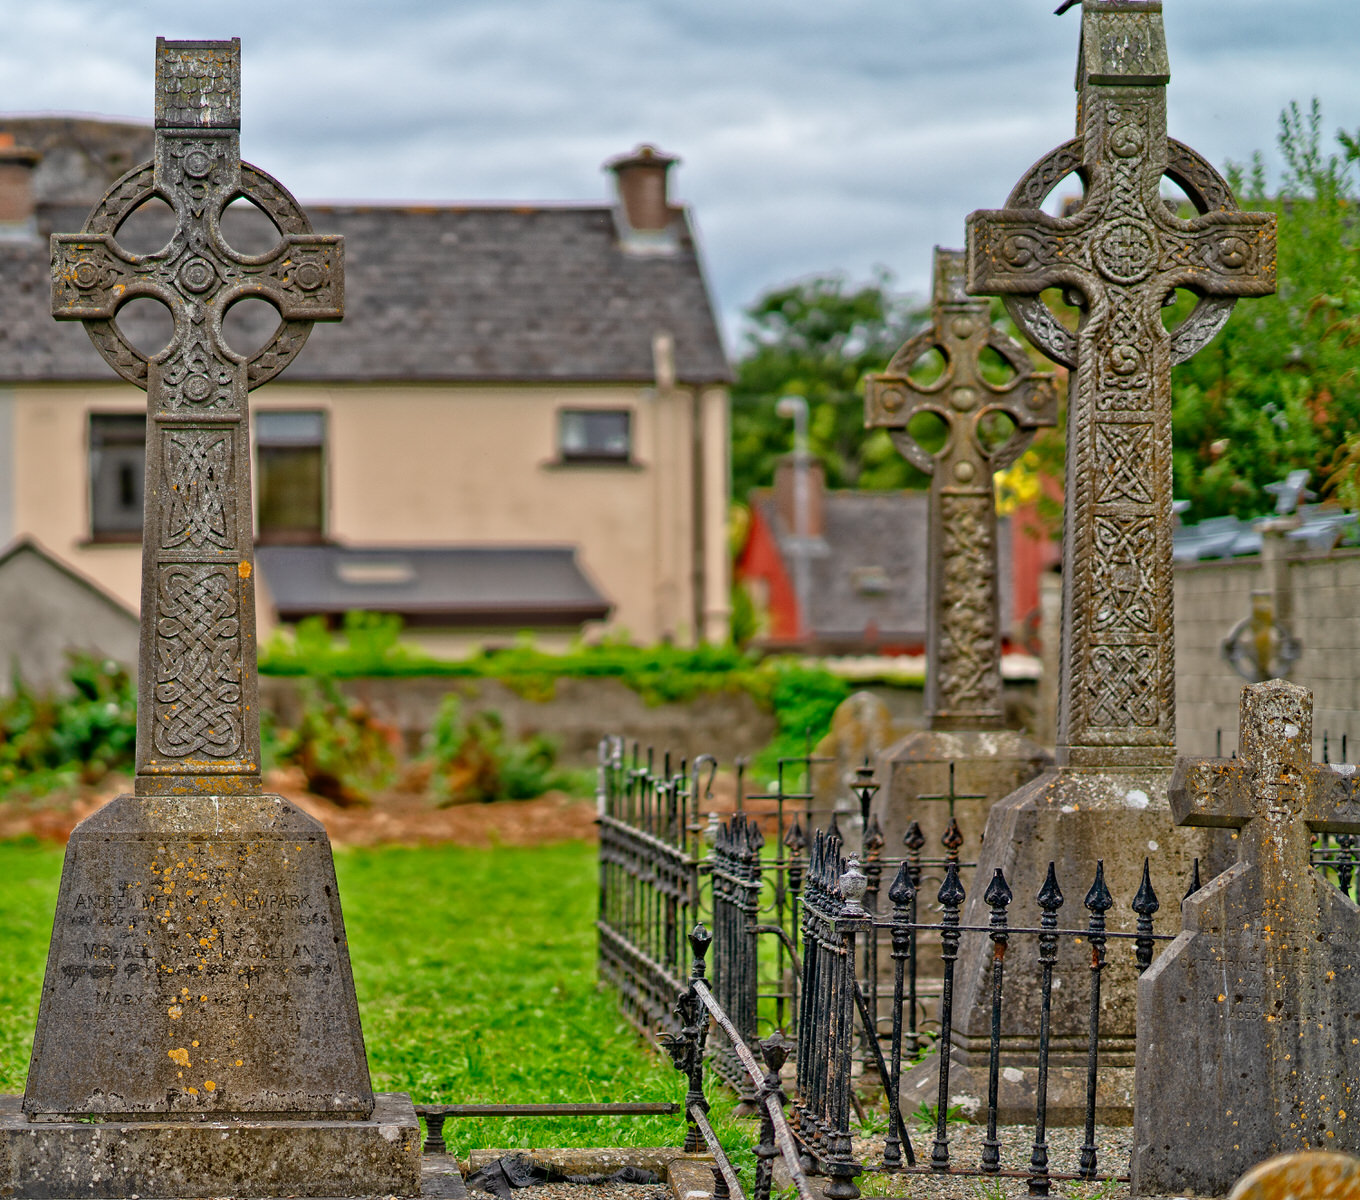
(1308,1175)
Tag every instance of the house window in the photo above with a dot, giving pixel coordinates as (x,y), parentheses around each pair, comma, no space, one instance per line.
(594,434)
(117,474)
(290,476)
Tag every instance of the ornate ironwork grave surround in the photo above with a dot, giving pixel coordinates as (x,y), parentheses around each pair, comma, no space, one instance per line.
(198,718)
(1121,254)
(963,686)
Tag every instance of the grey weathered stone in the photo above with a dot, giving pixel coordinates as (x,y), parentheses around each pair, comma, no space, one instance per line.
(198,1033)
(964,712)
(861,728)
(1119,254)
(112,1160)
(1254,1009)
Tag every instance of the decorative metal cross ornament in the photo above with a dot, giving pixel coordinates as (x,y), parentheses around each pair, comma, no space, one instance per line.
(963,685)
(1121,255)
(198,717)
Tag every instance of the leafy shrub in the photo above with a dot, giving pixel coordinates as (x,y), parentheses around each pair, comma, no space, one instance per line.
(345,753)
(78,735)
(473,760)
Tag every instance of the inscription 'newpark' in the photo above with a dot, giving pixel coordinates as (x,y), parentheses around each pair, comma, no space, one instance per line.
(963,685)
(1120,256)
(197,728)
(198,964)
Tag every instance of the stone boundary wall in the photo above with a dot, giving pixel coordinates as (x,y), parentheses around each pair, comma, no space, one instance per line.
(580,712)
(1211,597)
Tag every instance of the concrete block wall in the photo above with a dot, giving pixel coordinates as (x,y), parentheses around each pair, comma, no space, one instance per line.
(1212,597)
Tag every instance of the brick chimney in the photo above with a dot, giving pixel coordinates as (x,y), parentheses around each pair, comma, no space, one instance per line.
(641,181)
(16,184)
(786,492)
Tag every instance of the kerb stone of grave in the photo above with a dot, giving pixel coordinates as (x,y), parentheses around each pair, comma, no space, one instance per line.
(1118,256)
(965,746)
(198,1032)
(1254,1010)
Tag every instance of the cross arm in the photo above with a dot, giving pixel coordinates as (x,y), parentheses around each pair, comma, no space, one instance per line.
(92,276)
(1222,793)
(1213,792)
(1225,254)
(304,277)
(1019,251)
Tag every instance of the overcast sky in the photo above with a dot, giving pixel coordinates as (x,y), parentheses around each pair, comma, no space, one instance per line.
(815,135)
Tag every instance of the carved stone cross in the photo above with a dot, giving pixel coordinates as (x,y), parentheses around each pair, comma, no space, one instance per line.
(963,685)
(1120,256)
(198,965)
(198,716)
(1253,1008)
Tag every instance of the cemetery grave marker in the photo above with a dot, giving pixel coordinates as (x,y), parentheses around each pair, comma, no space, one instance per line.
(1118,257)
(1255,1008)
(198,1033)
(964,715)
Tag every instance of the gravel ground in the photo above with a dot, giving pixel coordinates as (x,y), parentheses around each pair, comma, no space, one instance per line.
(965,1147)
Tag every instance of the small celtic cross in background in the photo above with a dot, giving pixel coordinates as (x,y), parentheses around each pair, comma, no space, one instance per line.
(963,687)
(198,717)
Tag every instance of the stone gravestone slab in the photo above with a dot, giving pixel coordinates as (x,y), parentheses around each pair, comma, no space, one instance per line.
(1117,257)
(1254,1010)
(861,728)
(964,715)
(198,1033)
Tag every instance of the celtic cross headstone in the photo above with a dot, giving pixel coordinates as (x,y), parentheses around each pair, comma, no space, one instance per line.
(1253,1007)
(1118,257)
(965,741)
(198,1032)
(963,653)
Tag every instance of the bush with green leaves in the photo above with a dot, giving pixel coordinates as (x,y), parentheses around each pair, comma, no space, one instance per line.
(345,753)
(472,759)
(75,735)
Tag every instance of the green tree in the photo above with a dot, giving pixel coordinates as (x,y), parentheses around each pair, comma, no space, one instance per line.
(818,338)
(1278,389)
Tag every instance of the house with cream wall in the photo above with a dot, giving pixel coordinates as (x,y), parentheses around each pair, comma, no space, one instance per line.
(521,423)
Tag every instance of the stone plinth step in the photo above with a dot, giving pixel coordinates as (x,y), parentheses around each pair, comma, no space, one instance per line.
(243,1158)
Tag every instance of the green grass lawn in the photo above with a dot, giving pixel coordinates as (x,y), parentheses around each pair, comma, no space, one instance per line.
(476,978)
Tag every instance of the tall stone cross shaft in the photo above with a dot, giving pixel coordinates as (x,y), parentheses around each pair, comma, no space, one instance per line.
(198,727)
(963,683)
(1123,254)
(1253,1007)
(198,964)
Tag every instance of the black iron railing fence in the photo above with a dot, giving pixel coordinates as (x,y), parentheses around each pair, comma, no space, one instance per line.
(802,938)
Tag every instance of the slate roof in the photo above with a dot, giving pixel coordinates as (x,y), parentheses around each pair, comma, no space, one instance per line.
(511,293)
(869,568)
(471,586)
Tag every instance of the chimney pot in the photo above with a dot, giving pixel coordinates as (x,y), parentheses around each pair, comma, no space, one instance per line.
(16,181)
(785,492)
(642,187)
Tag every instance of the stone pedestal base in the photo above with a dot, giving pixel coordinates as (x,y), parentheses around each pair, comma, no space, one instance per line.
(1073,818)
(1017,1090)
(244,1158)
(990,763)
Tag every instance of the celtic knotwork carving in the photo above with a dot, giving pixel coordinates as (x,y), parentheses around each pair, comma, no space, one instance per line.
(968,668)
(198,662)
(1122,595)
(197,274)
(197,504)
(1122,452)
(1122,686)
(195,378)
